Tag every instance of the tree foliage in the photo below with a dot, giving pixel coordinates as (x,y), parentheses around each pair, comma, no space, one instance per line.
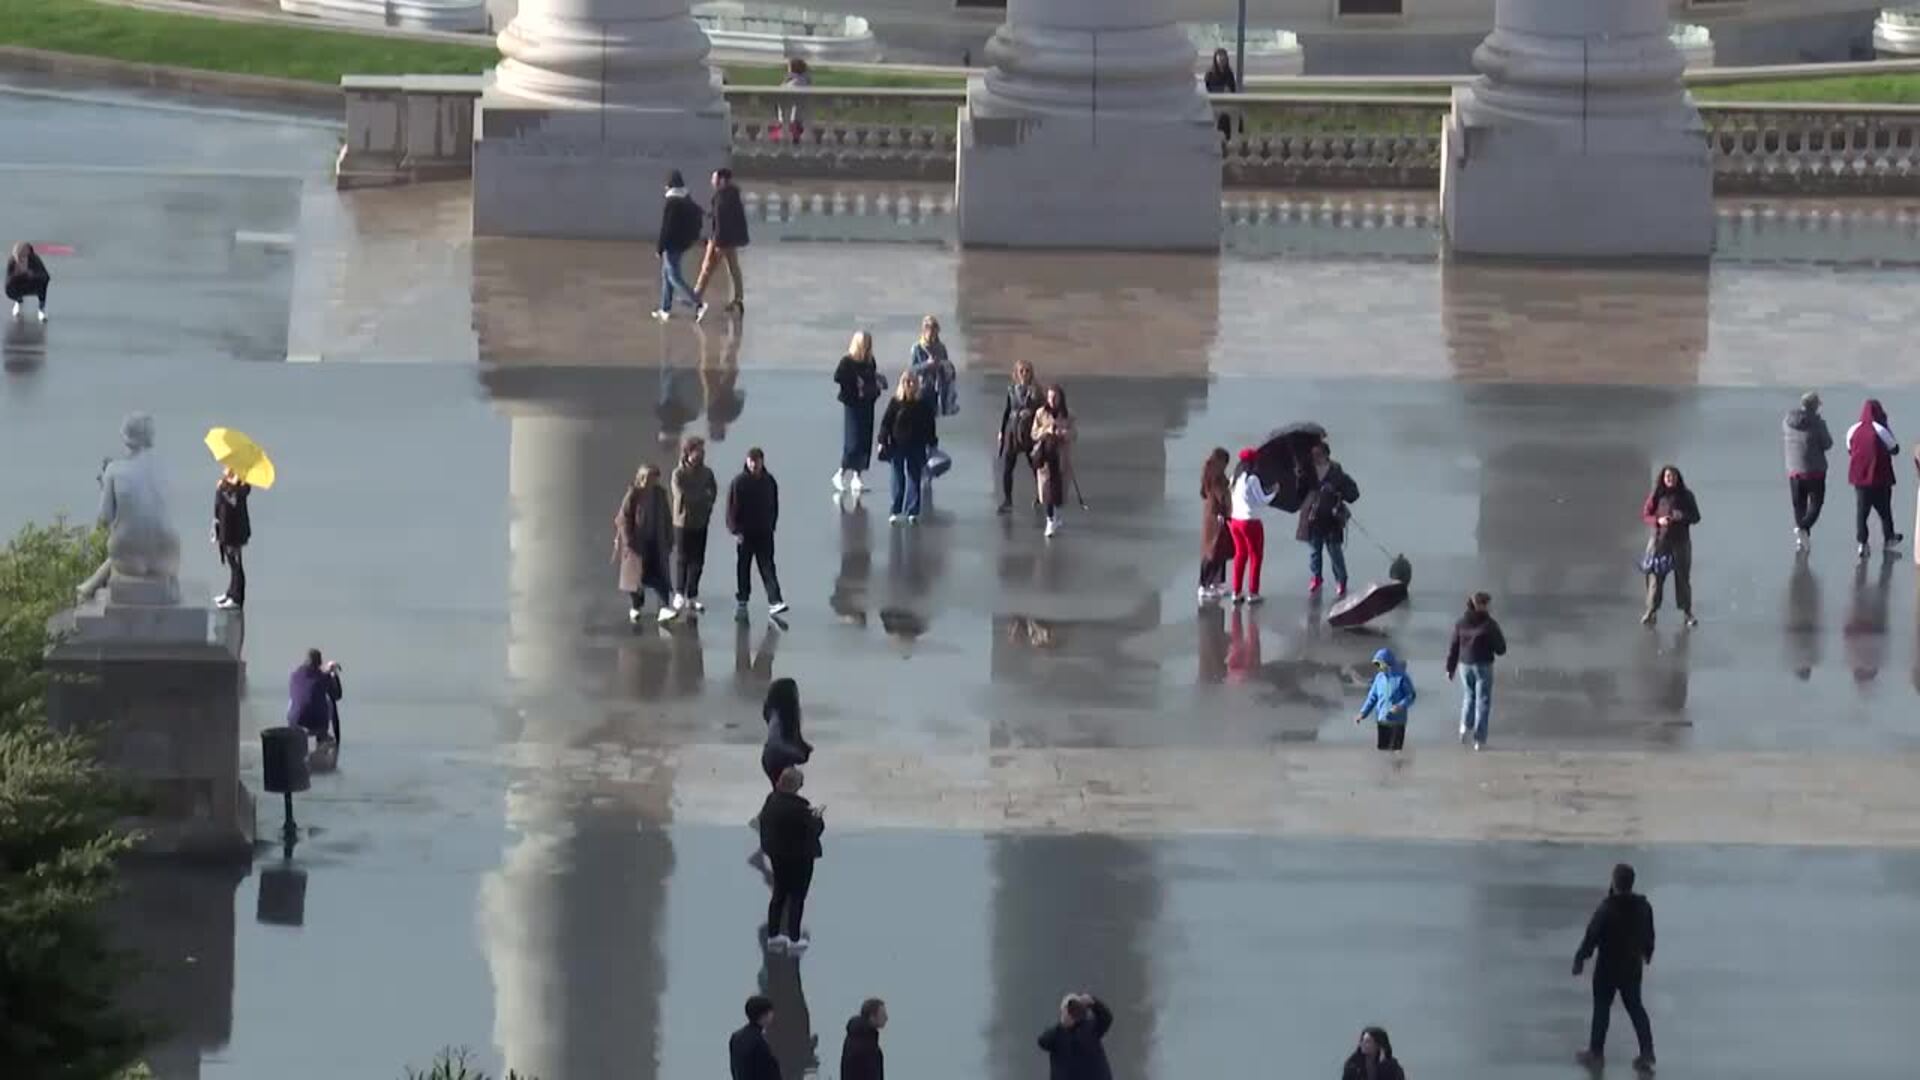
(58,842)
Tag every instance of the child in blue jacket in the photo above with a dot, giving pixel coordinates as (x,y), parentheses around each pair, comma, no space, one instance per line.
(1389,700)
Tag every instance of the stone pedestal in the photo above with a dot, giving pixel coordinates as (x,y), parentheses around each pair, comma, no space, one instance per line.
(162,702)
(1579,139)
(1089,130)
(596,101)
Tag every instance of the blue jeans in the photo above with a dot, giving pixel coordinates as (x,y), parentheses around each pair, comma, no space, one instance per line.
(1334,548)
(1476,699)
(909,465)
(671,278)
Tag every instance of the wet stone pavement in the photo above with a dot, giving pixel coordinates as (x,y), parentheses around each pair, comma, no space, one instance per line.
(1045,769)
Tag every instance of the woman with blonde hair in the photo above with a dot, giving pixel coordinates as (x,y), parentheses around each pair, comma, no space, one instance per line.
(907,433)
(642,543)
(859,380)
(1052,453)
(1016,428)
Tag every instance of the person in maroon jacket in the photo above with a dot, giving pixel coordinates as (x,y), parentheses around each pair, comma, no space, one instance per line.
(1870,450)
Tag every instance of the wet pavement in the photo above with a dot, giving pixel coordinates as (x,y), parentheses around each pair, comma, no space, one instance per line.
(1044,767)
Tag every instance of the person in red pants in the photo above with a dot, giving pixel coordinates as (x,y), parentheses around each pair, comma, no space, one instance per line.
(1249,535)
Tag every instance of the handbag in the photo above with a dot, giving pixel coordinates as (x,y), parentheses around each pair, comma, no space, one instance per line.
(1656,560)
(938,462)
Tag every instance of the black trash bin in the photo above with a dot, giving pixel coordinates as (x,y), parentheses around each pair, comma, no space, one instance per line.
(283,760)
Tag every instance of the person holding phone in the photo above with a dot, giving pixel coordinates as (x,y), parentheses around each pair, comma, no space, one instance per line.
(790,830)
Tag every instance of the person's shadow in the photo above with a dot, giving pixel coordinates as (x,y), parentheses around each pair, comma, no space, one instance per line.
(25,348)
(1865,632)
(791,1035)
(1801,619)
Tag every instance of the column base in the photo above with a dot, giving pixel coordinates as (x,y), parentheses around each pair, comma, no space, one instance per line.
(1067,181)
(586,173)
(1627,186)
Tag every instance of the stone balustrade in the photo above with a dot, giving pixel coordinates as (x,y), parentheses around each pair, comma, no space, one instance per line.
(406,128)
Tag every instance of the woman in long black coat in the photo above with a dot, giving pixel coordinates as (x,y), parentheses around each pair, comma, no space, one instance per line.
(1373,1059)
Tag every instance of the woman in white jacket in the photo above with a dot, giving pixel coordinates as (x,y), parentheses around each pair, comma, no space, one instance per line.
(1249,535)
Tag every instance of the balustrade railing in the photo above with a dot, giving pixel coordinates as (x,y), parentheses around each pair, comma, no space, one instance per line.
(1814,150)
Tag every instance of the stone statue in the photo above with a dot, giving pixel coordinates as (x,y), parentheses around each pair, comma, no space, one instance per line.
(142,547)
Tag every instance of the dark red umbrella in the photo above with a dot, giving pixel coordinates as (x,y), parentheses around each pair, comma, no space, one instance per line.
(1376,599)
(1284,464)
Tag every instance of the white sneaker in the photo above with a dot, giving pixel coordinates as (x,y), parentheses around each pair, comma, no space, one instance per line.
(226,604)
(666,615)
(1239,598)
(1800,539)
(662,316)
(893,519)
(779,943)
(777,609)
(856,485)
(1052,528)
(700,312)
(43,314)
(839,479)
(16,310)
(698,607)
(798,945)
(913,519)
(1206,595)
(1864,551)
(679,601)
(633,615)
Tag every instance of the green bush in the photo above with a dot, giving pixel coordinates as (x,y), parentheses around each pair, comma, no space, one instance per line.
(454,1063)
(38,572)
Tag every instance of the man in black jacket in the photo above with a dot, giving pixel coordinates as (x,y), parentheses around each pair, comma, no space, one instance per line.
(726,235)
(860,1056)
(1476,641)
(748,1055)
(753,510)
(679,231)
(790,829)
(1621,931)
(1073,1046)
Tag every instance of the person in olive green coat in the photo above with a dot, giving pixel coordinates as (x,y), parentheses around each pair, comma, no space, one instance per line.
(695,490)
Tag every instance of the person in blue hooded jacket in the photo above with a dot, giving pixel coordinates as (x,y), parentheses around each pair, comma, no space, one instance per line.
(1389,700)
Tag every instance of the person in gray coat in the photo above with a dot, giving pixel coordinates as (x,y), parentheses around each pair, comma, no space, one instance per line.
(1807,443)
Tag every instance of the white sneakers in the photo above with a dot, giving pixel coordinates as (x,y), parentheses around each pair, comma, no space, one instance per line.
(700,312)
(856,485)
(783,944)
(777,609)
(662,316)
(666,615)
(633,615)
(1800,539)
(225,603)
(840,479)
(1053,527)
(893,519)
(848,480)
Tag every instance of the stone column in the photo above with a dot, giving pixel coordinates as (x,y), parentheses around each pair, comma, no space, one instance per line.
(1089,130)
(1579,139)
(594,103)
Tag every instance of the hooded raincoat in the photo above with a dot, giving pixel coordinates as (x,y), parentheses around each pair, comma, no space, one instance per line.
(1870,448)
(1390,698)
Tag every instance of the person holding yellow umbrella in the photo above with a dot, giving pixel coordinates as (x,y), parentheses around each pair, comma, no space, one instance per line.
(244,466)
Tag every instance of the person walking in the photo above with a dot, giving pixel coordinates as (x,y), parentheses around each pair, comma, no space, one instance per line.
(749,1055)
(695,490)
(753,510)
(939,388)
(1389,701)
(232,528)
(793,117)
(642,544)
(1323,520)
(1373,1058)
(1477,640)
(1053,435)
(1216,540)
(1807,443)
(790,829)
(680,219)
(1015,440)
(907,433)
(858,377)
(1074,1046)
(1621,933)
(785,746)
(314,691)
(1245,531)
(1672,511)
(1870,451)
(860,1056)
(1220,79)
(726,235)
(27,276)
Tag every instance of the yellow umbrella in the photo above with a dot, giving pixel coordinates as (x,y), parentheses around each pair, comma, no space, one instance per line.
(237,451)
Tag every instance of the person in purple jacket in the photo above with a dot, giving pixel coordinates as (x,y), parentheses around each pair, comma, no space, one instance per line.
(313,698)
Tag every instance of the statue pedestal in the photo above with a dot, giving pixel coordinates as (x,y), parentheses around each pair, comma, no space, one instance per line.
(162,703)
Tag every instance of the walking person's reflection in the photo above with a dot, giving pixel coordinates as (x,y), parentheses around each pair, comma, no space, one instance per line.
(719,379)
(1243,646)
(1211,621)
(1865,632)
(795,1046)
(1801,619)
(849,598)
(753,666)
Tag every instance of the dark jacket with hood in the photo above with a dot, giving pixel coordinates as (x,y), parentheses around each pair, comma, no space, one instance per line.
(679,222)
(860,1056)
(1807,441)
(1476,640)
(1621,931)
(1870,448)
(27,276)
(1077,1053)
(785,747)
(232,524)
(727,218)
(1323,516)
(753,503)
(789,829)
(909,426)
(749,1057)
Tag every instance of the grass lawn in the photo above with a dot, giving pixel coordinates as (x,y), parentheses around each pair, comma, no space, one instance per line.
(1896,89)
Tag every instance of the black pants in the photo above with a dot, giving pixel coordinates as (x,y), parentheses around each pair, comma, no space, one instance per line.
(1009,456)
(1604,988)
(236,575)
(1874,500)
(34,287)
(1390,736)
(1213,571)
(1809,494)
(791,880)
(689,560)
(755,548)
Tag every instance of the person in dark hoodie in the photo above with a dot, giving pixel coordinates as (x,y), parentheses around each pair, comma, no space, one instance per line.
(1323,519)
(753,511)
(232,528)
(314,691)
(785,747)
(860,1056)
(790,829)
(1870,450)
(1807,443)
(1074,1047)
(680,219)
(726,235)
(1477,640)
(27,276)
(1373,1058)
(1672,511)
(749,1057)
(1621,932)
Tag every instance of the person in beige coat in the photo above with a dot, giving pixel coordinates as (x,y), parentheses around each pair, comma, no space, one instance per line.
(643,542)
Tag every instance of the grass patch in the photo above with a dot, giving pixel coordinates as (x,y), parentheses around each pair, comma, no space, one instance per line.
(1892,89)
